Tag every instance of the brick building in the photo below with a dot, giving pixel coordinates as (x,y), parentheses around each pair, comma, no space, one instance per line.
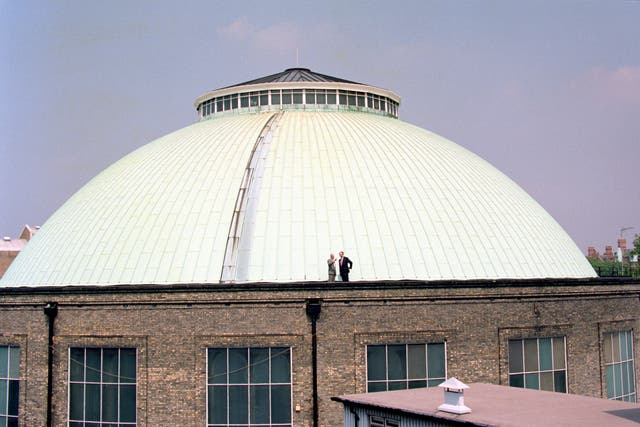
(185,284)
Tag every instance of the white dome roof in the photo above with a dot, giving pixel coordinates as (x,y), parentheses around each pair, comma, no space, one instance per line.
(267,196)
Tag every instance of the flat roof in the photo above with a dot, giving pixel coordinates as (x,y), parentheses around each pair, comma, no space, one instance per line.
(495,405)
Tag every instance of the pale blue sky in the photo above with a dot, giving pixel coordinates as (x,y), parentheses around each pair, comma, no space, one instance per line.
(547,91)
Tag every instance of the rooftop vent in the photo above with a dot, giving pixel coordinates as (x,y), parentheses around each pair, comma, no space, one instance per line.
(454,397)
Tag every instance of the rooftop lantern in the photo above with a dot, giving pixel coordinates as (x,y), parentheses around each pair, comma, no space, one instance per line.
(454,397)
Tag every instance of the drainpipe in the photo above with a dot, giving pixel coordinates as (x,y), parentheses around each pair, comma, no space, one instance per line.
(51,311)
(313,310)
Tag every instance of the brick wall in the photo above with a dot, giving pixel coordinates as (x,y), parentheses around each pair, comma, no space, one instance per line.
(172,326)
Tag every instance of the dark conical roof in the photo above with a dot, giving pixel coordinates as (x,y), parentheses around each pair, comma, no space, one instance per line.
(295,75)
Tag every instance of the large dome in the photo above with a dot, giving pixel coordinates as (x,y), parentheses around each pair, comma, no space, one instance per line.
(265,191)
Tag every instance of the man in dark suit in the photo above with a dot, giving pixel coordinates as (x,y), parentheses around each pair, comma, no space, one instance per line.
(345,266)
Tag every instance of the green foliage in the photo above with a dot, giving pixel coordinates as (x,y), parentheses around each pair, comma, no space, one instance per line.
(614,269)
(636,245)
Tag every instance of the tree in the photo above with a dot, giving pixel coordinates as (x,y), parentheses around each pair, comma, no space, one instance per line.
(636,245)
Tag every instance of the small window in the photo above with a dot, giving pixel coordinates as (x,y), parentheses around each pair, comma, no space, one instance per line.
(538,363)
(402,366)
(275,98)
(383,422)
(383,105)
(310,97)
(234,102)
(360,100)
(619,366)
(286,97)
(244,100)
(297,96)
(9,385)
(253,99)
(321,97)
(219,105)
(331,97)
(249,386)
(352,98)
(102,386)
(264,97)
(342,97)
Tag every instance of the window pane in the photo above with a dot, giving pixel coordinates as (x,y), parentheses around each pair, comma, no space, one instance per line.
(286,97)
(110,365)
(92,402)
(516,380)
(76,364)
(546,381)
(625,378)
(545,354)
(12,422)
(3,396)
(531,381)
(418,384)
(310,97)
(558,353)
(373,387)
(244,101)
(616,348)
(127,365)
(280,404)
(219,105)
(320,98)
(397,385)
(264,98)
(128,403)
(531,355)
(610,382)
(434,383)
(14,397)
(607,348)
(560,381)
(217,405)
(417,361)
(110,402)
(217,366)
(331,97)
(275,99)
(238,404)
(280,365)
(617,373)
(297,96)
(234,102)
(14,362)
(397,362)
(629,335)
(259,404)
(436,360)
(259,358)
(4,357)
(93,364)
(376,363)
(76,402)
(238,366)
(515,356)
(343,98)
(360,100)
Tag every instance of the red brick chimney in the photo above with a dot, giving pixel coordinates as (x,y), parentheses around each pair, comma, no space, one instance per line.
(608,254)
(592,253)
(622,244)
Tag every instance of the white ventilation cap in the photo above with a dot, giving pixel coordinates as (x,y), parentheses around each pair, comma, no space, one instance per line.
(454,397)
